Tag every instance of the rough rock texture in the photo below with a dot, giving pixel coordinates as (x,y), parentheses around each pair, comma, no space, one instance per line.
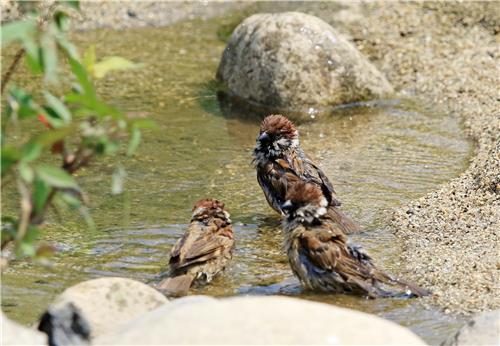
(15,334)
(293,61)
(259,320)
(483,329)
(108,303)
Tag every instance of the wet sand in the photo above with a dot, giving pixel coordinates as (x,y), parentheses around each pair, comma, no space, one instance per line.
(447,54)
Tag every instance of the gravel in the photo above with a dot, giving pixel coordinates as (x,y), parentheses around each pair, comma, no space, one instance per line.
(448,55)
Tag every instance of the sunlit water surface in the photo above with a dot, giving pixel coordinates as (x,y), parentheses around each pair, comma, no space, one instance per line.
(378,155)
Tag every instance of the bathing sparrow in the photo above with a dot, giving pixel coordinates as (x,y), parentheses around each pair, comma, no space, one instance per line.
(321,256)
(203,251)
(280,162)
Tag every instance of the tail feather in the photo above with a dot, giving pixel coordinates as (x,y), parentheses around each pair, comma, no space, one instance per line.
(412,290)
(409,290)
(346,224)
(176,285)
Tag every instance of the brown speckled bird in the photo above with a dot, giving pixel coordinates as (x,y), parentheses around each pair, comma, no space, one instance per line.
(280,162)
(321,256)
(203,251)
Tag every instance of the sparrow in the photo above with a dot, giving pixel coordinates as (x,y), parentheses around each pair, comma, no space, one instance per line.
(321,256)
(280,162)
(204,250)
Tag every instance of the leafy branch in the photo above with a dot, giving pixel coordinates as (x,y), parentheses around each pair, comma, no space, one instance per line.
(78,126)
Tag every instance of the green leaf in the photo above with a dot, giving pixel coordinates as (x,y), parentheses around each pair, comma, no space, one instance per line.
(56,177)
(67,47)
(41,192)
(113,63)
(58,106)
(135,139)
(82,77)
(52,117)
(47,138)
(49,57)
(34,64)
(34,55)
(17,30)
(30,151)
(117,180)
(70,199)
(26,247)
(10,155)
(21,104)
(94,105)
(26,172)
(61,19)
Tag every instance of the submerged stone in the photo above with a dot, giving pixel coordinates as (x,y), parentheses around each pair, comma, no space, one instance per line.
(16,334)
(294,61)
(108,303)
(483,329)
(258,321)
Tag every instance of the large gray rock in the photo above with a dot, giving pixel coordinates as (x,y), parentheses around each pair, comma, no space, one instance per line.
(109,303)
(258,320)
(293,61)
(484,329)
(15,334)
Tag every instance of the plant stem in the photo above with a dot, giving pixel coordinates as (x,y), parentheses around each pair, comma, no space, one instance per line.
(6,77)
(26,208)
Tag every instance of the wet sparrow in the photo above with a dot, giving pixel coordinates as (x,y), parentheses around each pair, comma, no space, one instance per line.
(321,256)
(280,162)
(203,251)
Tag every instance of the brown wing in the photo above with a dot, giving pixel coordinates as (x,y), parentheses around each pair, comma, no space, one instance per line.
(274,178)
(326,248)
(199,244)
(344,222)
(304,168)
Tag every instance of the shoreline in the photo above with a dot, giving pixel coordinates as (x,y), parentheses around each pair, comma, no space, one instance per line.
(449,54)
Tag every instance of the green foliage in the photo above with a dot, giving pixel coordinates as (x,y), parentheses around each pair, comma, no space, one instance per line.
(79,126)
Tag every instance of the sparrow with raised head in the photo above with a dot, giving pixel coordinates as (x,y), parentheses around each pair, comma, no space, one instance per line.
(203,251)
(280,162)
(321,256)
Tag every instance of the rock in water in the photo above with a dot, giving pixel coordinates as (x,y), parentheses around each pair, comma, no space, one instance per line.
(257,321)
(65,325)
(294,61)
(108,303)
(484,329)
(16,334)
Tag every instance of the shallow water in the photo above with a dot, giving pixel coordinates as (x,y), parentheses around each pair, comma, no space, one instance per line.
(378,155)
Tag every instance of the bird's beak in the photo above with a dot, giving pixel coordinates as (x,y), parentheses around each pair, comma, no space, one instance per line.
(264,137)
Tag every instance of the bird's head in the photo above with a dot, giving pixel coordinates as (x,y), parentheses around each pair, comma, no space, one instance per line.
(277,134)
(304,202)
(209,208)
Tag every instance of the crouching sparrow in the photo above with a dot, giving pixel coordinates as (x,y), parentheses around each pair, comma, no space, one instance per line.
(203,251)
(321,256)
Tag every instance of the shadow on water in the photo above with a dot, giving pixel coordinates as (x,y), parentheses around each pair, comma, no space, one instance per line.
(378,155)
